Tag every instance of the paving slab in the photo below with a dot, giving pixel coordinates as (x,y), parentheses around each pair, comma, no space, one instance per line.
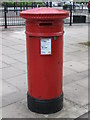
(77,46)
(67,58)
(77,32)
(18,36)
(67,71)
(13,41)
(0,113)
(12,98)
(19,32)
(72,57)
(81,55)
(87,106)
(69,49)
(0,91)
(8,60)
(19,47)
(19,82)
(3,65)
(0,49)
(74,77)
(20,110)
(86,62)
(9,51)
(20,57)
(76,93)
(10,72)
(77,66)
(8,42)
(0,64)
(8,88)
(86,115)
(83,82)
(0,74)
(20,66)
(0,57)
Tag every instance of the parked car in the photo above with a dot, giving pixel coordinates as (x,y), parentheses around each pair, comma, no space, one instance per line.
(67,5)
(76,5)
(54,4)
(44,4)
(60,4)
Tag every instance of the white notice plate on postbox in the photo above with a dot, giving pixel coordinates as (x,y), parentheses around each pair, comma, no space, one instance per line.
(45,46)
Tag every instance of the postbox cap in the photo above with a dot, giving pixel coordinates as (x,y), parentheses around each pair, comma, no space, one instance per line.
(44,13)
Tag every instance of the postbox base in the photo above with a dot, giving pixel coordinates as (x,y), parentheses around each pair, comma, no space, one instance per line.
(45,106)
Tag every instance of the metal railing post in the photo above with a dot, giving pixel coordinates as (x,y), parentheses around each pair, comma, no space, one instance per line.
(70,15)
(73,6)
(46,4)
(23,6)
(14,6)
(32,4)
(5,15)
(50,4)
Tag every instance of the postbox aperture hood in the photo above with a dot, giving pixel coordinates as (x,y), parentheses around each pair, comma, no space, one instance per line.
(44,13)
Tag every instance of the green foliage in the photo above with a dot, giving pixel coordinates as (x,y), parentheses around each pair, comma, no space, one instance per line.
(22,3)
(86,43)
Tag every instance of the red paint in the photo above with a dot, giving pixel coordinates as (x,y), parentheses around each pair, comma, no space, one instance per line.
(45,72)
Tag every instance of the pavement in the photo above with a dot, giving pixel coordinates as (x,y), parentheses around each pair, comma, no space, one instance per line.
(13,65)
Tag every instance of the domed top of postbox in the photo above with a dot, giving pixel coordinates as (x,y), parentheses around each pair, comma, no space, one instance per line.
(44,13)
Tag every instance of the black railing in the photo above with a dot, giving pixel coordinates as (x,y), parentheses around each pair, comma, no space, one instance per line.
(5,14)
(10,13)
(70,15)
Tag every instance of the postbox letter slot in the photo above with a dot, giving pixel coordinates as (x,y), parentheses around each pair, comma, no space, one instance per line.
(45,24)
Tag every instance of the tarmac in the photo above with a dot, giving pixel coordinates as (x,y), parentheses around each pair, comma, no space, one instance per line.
(13,65)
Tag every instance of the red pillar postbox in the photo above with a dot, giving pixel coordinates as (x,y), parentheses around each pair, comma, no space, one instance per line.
(44,35)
